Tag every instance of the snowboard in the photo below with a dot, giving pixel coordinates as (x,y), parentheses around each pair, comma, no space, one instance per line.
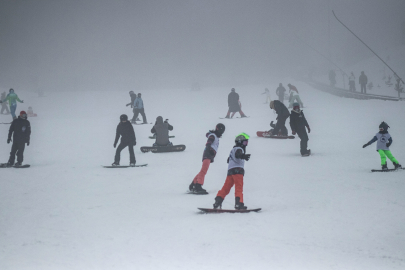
(233,118)
(163,149)
(212,210)
(196,193)
(4,165)
(123,166)
(389,170)
(152,137)
(265,134)
(141,123)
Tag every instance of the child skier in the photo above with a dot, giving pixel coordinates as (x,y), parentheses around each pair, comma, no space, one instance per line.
(384,140)
(298,122)
(210,151)
(236,171)
(126,131)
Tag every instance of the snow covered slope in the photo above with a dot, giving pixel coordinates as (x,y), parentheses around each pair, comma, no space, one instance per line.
(327,211)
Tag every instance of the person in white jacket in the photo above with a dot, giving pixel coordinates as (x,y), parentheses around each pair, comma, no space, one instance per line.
(352,82)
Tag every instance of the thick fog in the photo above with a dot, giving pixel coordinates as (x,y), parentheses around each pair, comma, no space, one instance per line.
(101,44)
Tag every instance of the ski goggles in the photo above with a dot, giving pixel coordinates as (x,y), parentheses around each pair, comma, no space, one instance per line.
(23,115)
(381,129)
(245,143)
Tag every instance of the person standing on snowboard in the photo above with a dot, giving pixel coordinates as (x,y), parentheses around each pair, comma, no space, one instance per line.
(161,129)
(298,122)
(127,133)
(236,171)
(234,104)
(21,130)
(133,97)
(282,115)
(384,141)
(139,109)
(210,151)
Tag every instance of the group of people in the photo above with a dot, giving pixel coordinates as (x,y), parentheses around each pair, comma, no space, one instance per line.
(280,92)
(363,80)
(137,106)
(12,99)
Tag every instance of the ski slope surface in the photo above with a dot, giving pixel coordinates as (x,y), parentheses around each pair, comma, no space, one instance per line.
(326,211)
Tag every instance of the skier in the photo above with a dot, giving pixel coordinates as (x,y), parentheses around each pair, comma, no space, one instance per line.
(267,93)
(294,96)
(210,151)
(332,78)
(21,130)
(352,83)
(127,133)
(4,106)
(236,171)
(234,104)
(12,99)
(161,129)
(298,122)
(363,82)
(282,115)
(384,140)
(280,92)
(139,109)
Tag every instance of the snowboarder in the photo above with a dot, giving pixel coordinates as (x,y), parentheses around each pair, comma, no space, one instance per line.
(210,151)
(161,129)
(12,99)
(298,122)
(363,82)
(294,96)
(139,109)
(267,93)
(236,171)
(282,115)
(126,131)
(133,97)
(352,83)
(332,78)
(4,106)
(234,104)
(280,92)
(21,130)
(384,141)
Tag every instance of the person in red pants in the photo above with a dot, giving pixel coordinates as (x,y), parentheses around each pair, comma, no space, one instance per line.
(210,151)
(236,171)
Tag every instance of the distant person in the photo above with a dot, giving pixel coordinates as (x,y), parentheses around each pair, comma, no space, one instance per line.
(133,97)
(30,112)
(352,82)
(294,96)
(161,129)
(126,131)
(234,105)
(20,129)
(267,93)
(139,109)
(363,82)
(281,92)
(282,115)
(332,78)
(12,100)
(4,106)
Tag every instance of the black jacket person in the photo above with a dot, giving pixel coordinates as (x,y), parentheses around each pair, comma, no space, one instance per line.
(161,129)
(298,122)
(282,115)
(125,130)
(20,129)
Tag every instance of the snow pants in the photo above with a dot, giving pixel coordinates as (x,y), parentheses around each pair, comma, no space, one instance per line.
(120,147)
(199,178)
(363,88)
(233,113)
(17,148)
(13,107)
(296,98)
(280,126)
(4,108)
(304,141)
(384,154)
(142,112)
(237,180)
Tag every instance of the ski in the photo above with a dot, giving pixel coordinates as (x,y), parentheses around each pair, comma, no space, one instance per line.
(124,166)
(211,210)
(389,170)
(141,123)
(152,137)
(163,149)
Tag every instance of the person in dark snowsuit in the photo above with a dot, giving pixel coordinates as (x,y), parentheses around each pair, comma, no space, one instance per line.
(280,93)
(363,82)
(133,97)
(210,151)
(282,115)
(21,130)
(298,122)
(234,104)
(4,106)
(139,109)
(127,133)
(161,129)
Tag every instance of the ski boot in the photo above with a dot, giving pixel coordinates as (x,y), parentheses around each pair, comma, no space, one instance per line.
(199,190)
(239,205)
(384,167)
(397,166)
(131,165)
(307,153)
(115,164)
(191,186)
(218,202)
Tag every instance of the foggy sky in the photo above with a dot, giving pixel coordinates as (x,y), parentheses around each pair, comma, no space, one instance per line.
(129,45)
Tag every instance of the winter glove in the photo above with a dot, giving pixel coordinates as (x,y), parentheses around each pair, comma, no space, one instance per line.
(22,101)
(166,121)
(246,157)
(28,143)
(8,140)
(364,146)
(115,145)
(309,130)
(134,142)
(388,144)
(294,132)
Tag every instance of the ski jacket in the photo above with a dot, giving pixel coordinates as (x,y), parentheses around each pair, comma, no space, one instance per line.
(211,147)
(161,129)
(363,79)
(21,130)
(298,122)
(12,99)
(382,140)
(133,97)
(127,133)
(138,103)
(280,91)
(236,164)
(233,102)
(281,109)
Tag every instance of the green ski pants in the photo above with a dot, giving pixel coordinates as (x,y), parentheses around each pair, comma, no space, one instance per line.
(384,154)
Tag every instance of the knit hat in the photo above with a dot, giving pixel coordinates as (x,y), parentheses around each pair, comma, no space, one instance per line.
(124,117)
(23,114)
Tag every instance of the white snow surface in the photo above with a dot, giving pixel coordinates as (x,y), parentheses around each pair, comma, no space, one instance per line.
(326,211)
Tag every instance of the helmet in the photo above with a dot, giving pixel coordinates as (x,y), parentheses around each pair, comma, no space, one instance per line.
(383,126)
(11,90)
(233,89)
(241,138)
(219,129)
(124,117)
(23,114)
(296,106)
